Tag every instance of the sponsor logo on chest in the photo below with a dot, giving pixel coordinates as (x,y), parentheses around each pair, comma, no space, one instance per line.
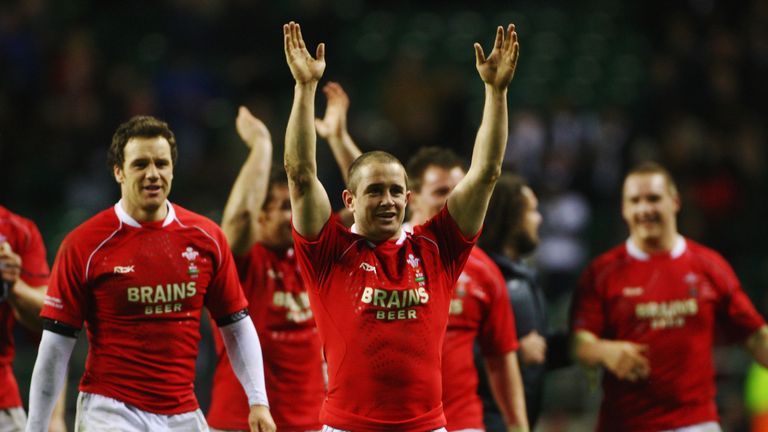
(671,313)
(397,304)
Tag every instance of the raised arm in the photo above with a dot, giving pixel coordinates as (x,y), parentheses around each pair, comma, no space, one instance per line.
(333,128)
(469,200)
(250,188)
(309,201)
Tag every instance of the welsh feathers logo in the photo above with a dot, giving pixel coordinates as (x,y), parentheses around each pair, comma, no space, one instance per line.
(191,255)
(413,261)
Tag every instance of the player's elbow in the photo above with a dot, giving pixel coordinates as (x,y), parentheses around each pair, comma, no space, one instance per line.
(488,174)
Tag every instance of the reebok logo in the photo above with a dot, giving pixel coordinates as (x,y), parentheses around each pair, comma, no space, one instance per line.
(367,267)
(632,291)
(124,269)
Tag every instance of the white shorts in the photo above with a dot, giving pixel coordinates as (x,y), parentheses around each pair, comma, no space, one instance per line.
(700,427)
(97,413)
(330,429)
(12,419)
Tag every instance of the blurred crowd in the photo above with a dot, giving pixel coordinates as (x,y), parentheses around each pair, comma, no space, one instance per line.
(601,85)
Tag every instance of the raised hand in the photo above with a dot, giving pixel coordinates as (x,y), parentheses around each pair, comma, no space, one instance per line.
(334,124)
(498,68)
(250,129)
(304,68)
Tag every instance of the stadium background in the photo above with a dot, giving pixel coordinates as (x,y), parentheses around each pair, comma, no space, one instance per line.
(601,84)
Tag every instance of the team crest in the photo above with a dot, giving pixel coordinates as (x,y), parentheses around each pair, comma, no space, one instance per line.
(691,279)
(413,261)
(191,255)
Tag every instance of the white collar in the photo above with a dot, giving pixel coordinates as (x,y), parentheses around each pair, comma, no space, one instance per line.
(399,241)
(130,221)
(677,250)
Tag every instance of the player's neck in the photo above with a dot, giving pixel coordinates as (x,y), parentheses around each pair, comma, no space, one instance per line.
(418,218)
(145,215)
(655,245)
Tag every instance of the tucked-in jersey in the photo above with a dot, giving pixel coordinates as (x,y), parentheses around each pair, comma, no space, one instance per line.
(140,289)
(670,302)
(479,309)
(382,311)
(25,240)
(293,365)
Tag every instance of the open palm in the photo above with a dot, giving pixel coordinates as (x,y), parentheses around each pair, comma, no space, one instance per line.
(498,68)
(303,67)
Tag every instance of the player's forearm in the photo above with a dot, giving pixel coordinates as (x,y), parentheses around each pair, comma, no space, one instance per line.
(507,388)
(246,199)
(244,352)
(26,303)
(48,378)
(345,151)
(588,349)
(491,139)
(300,138)
(757,344)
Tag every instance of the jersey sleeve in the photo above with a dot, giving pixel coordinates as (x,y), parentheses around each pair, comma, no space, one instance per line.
(225,295)
(735,310)
(315,257)
(587,305)
(454,247)
(34,264)
(65,298)
(498,334)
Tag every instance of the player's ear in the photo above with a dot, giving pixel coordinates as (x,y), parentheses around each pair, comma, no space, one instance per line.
(118,172)
(349,200)
(407,197)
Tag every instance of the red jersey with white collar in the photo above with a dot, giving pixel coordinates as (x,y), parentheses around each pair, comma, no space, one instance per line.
(670,302)
(140,289)
(25,240)
(382,311)
(479,309)
(293,365)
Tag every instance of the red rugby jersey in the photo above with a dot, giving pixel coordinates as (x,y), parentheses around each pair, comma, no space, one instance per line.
(670,302)
(293,365)
(479,309)
(382,311)
(140,288)
(25,240)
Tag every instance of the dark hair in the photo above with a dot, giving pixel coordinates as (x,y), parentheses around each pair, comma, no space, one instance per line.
(277,177)
(431,156)
(367,159)
(141,127)
(651,167)
(504,218)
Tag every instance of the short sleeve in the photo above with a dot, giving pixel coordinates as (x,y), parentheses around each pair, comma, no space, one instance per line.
(34,264)
(224,294)
(735,310)
(315,257)
(65,297)
(498,334)
(454,247)
(587,306)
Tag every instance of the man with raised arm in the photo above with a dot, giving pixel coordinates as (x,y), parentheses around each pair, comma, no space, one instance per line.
(647,310)
(257,223)
(381,295)
(138,275)
(480,306)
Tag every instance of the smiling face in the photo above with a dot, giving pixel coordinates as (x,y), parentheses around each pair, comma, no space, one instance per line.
(649,206)
(436,185)
(379,200)
(145,177)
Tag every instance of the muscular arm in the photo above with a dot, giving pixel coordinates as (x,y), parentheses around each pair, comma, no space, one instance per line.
(309,201)
(757,344)
(469,200)
(250,188)
(507,389)
(333,128)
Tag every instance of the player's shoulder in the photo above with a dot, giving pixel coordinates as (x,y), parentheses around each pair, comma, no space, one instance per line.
(94,230)
(189,218)
(18,222)
(708,259)
(610,258)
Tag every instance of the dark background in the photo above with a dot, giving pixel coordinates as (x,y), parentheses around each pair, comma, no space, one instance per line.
(600,86)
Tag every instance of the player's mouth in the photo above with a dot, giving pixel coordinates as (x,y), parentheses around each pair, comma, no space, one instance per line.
(386,216)
(153,190)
